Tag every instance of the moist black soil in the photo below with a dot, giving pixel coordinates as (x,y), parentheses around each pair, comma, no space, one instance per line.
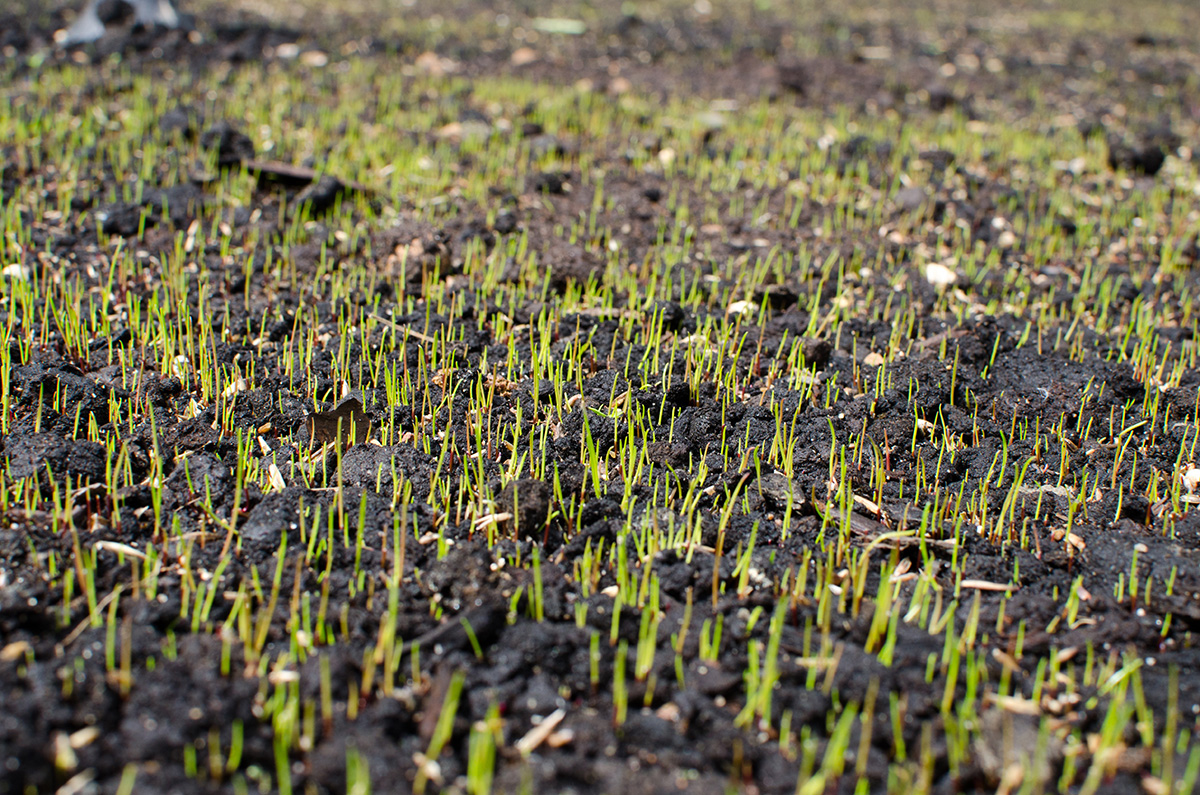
(537,646)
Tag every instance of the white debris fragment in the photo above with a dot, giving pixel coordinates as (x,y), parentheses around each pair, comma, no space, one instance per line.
(939,275)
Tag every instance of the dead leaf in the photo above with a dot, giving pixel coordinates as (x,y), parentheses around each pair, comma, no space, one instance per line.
(347,423)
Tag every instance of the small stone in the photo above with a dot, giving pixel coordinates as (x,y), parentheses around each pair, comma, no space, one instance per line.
(910,199)
(939,275)
(522,56)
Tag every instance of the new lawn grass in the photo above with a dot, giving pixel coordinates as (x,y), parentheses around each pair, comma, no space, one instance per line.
(769,436)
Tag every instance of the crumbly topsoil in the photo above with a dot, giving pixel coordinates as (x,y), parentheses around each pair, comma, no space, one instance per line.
(533,652)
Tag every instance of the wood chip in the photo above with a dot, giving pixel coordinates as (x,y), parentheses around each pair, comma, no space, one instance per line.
(14,651)
(120,549)
(1007,660)
(984,585)
(560,738)
(276,477)
(538,734)
(1015,705)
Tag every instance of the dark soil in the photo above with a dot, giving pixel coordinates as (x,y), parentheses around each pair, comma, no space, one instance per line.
(68,722)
